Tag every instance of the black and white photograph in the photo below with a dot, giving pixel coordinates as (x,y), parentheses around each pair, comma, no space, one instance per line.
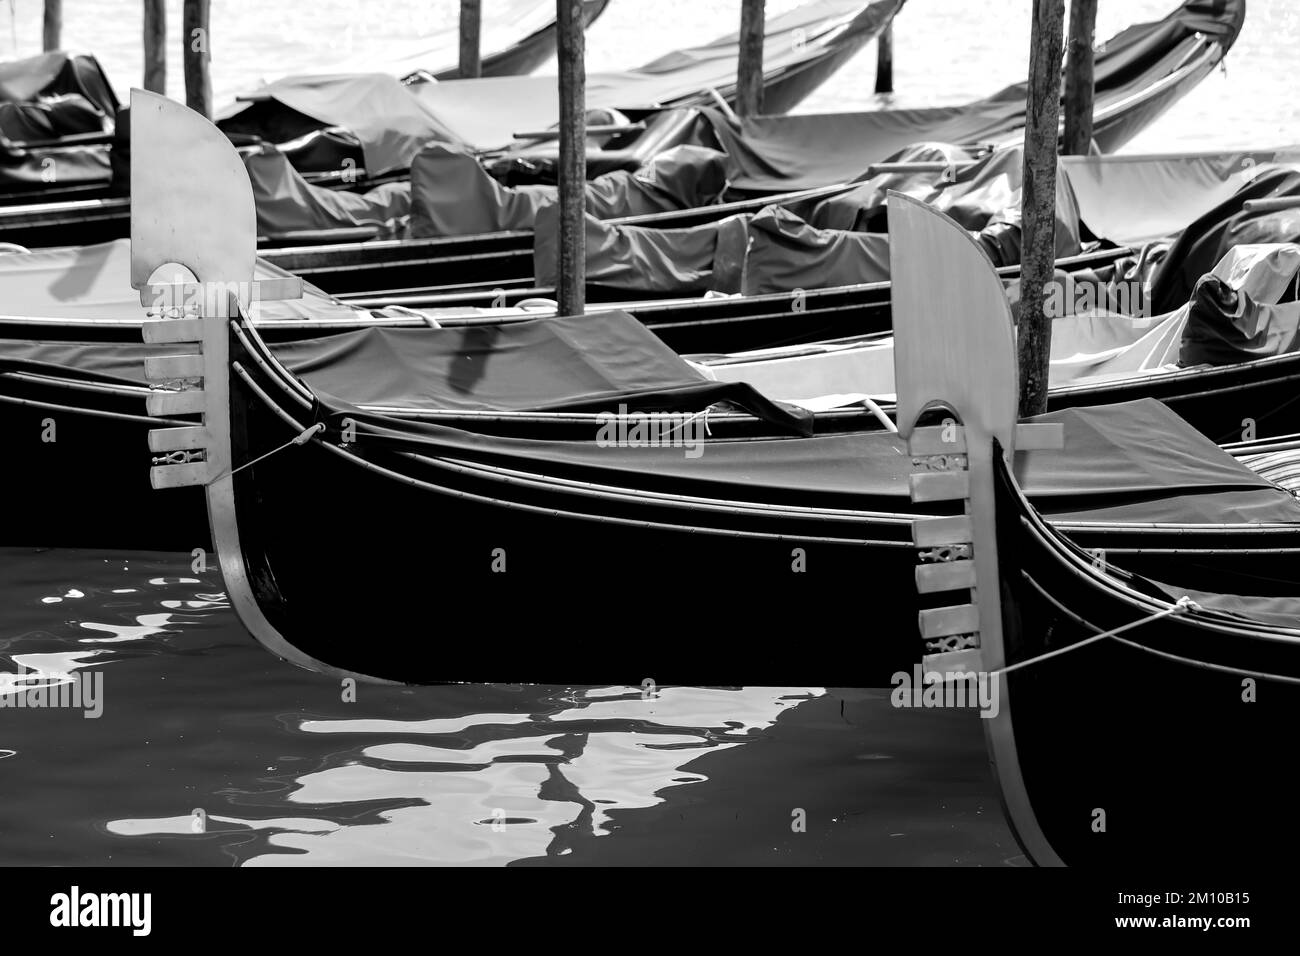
(645,434)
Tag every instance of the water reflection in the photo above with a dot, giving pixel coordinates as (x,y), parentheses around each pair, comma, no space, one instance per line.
(211,751)
(494,788)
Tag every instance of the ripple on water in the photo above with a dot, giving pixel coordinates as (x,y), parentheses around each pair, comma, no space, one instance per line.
(211,751)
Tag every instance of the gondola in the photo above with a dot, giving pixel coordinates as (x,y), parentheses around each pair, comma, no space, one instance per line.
(348,133)
(56,120)
(1140,74)
(318,508)
(70,120)
(1178,763)
(93,393)
(1129,201)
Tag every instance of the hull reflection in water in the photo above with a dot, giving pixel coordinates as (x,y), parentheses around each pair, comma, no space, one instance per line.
(210,752)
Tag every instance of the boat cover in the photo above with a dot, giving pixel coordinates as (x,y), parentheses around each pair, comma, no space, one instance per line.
(378,108)
(1232,316)
(54,94)
(640,258)
(780,252)
(1126,200)
(93,282)
(593,362)
(1130,200)
(783,153)
(452,195)
(1226,326)
(776,251)
(43,100)
(1089,343)
(1136,461)
(1208,239)
(393,121)
(288,203)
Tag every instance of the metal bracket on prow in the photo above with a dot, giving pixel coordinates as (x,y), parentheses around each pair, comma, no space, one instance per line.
(951,635)
(954,348)
(191,206)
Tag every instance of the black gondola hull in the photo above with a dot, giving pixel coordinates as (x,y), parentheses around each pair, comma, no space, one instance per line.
(1131,756)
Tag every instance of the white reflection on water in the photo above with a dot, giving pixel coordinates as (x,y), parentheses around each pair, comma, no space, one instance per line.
(500,799)
(280,770)
(147,625)
(35,671)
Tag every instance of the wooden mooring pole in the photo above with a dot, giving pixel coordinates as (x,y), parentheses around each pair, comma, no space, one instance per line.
(1038,202)
(571,56)
(885,60)
(196,56)
(1079,89)
(749,66)
(155,46)
(471,24)
(52,26)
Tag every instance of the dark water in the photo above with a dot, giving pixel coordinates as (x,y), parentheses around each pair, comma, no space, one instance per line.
(209,751)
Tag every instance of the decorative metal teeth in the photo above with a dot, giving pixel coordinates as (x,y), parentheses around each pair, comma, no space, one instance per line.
(177,385)
(952,642)
(941,462)
(952,552)
(180,457)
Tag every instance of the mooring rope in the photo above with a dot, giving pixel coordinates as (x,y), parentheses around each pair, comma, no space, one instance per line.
(300,439)
(680,425)
(1184,603)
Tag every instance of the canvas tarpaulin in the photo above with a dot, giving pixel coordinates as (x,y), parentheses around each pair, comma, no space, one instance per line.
(1091,344)
(775,251)
(1226,323)
(391,124)
(784,253)
(1132,462)
(452,195)
(287,203)
(641,259)
(781,252)
(594,362)
(1130,200)
(1209,238)
(782,153)
(94,282)
(53,94)
(862,208)
(485,114)
(393,121)
(45,99)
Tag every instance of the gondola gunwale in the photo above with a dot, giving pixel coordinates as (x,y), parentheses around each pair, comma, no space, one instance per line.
(245,335)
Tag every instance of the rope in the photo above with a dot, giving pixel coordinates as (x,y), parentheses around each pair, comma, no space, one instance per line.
(877,411)
(300,439)
(680,425)
(1183,604)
